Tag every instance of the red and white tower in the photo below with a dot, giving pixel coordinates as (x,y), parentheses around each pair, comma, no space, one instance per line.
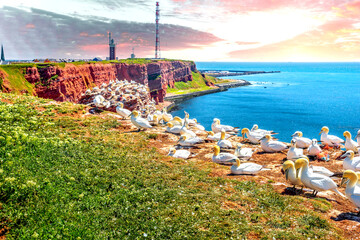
(157,41)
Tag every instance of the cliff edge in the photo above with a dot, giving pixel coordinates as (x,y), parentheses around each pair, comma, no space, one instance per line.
(67,82)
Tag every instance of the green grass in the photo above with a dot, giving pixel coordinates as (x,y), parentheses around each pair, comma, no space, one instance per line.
(63,176)
(15,79)
(198,84)
(129,61)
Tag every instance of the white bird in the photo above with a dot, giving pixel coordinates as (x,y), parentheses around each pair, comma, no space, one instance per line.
(216,136)
(253,137)
(223,158)
(316,182)
(358,137)
(179,153)
(349,143)
(198,126)
(190,121)
(185,141)
(173,129)
(321,170)
(271,146)
(330,140)
(122,111)
(216,127)
(246,168)
(352,190)
(99,101)
(301,141)
(256,129)
(223,143)
(294,152)
(185,131)
(155,120)
(166,116)
(138,121)
(350,162)
(290,173)
(314,148)
(243,153)
(177,121)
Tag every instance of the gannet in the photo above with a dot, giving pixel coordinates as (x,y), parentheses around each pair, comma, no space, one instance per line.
(173,129)
(223,158)
(216,127)
(349,143)
(190,121)
(177,121)
(198,126)
(243,153)
(99,101)
(179,153)
(216,136)
(166,116)
(155,120)
(290,173)
(330,140)
(315,181)
(223,143)
(245,168)
(350,162)
(314,148)
(352,190)
(256,129)
(138,121)
(122,111)
(271,146)
(185,131)
(252,136)
(321,170)
(294,152)
(185,141)
(301,141)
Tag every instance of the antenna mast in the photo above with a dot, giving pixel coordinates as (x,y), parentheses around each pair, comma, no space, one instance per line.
(157,42)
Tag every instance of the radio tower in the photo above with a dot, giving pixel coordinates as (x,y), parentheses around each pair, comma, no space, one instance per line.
(157,42)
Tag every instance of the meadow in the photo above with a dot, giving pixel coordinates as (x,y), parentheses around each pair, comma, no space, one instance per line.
(66,174)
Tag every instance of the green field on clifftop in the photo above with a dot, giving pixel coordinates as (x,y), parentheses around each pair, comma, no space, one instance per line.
(64,175)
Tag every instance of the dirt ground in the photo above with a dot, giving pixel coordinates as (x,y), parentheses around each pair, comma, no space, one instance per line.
(343,212)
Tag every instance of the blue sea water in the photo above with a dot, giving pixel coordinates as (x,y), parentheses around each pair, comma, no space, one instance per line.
(304,96)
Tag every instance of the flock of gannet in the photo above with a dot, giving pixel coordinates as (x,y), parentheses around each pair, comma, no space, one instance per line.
(117,94)
(297,168)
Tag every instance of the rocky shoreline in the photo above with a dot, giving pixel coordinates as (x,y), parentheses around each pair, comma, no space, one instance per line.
(177,99)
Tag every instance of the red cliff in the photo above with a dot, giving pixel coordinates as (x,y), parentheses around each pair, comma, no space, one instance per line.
(70,82)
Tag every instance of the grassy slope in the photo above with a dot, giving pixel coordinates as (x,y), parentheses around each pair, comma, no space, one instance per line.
(198,84)
(15,78)
(70,177)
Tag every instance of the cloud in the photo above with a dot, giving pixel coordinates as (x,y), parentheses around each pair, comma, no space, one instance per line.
(30,25)
(349,10)
(333,41)
(56,35)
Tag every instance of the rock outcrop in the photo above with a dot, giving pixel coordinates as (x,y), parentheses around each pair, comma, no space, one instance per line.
(70,82)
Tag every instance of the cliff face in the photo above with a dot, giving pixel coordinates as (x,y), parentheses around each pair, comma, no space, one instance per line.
(69,83)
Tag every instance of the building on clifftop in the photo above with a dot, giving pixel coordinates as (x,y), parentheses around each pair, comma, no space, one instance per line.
(112,47)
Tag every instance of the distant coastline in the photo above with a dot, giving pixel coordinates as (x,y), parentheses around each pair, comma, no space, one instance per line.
(177,99)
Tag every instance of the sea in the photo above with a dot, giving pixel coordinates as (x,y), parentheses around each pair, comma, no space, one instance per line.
(302,97)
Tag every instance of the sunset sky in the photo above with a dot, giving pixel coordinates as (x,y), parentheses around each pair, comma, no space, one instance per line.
(200,30)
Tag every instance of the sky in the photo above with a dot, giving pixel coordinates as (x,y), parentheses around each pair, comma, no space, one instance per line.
(200,30)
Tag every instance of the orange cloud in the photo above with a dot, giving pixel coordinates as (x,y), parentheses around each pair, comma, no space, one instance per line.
(84,34)
(30,25)
(334,41)
(349,10)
